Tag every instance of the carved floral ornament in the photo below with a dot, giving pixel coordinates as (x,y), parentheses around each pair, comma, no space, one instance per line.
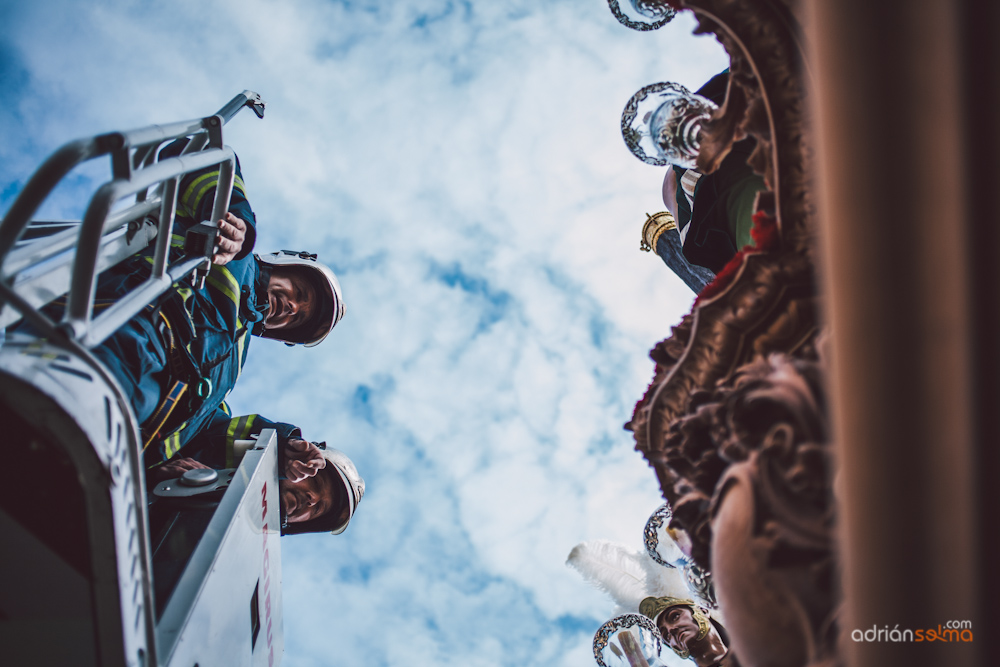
(752,467)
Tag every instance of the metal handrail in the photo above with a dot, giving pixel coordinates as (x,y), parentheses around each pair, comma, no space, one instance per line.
(136,168)
(79,333)
(30,255)
(82,288)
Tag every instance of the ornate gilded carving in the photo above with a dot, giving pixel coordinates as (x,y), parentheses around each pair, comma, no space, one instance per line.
(768,304)
(753,492)
(771,516)
(766,100)
(734,421)
(769,307)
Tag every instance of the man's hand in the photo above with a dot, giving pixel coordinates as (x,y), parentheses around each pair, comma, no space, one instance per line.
(302,459)
(176,468)
(232,232)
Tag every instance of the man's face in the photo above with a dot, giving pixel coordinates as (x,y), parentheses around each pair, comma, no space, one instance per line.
(308,499)
(678,628)
(292,300)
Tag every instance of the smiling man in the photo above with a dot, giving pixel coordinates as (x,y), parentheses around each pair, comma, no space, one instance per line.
(302,298)
(319,487)
(689,631)
(292,301)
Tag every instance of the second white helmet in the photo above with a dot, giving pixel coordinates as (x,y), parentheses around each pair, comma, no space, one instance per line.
(349,489)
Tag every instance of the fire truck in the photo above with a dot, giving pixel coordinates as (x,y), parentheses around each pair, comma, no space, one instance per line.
(96,568)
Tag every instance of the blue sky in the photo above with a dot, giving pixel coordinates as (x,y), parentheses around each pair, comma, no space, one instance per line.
(461,166)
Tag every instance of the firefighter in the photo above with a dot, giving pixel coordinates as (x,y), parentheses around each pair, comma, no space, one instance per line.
(178,360)
(320,487)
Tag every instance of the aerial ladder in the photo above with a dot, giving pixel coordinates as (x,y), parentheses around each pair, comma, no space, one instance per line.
(96,569)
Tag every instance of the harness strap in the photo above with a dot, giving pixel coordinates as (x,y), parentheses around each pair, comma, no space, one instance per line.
(163,412)
(181,368)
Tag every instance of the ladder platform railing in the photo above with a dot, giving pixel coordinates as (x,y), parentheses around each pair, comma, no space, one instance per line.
(67,262)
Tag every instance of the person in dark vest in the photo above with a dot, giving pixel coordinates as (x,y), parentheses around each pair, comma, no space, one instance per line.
(714,212)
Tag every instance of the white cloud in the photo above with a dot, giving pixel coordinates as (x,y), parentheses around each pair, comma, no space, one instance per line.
(462,166)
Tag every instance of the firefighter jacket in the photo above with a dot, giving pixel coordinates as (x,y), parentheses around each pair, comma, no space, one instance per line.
(179,359)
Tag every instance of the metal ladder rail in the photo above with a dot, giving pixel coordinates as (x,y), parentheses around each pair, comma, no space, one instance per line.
(99,221)
(145,141)
(18,218)
(39,270)
(102,239)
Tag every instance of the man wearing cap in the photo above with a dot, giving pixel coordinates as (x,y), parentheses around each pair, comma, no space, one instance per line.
(690,631)
(319,488)
(178,360)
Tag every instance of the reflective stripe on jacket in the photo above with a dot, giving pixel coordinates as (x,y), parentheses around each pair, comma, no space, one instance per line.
(221,315)
(214,445)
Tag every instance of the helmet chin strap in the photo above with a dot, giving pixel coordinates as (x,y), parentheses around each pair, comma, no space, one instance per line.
(264,304)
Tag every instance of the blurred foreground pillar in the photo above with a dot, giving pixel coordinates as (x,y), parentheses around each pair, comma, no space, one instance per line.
(906,100)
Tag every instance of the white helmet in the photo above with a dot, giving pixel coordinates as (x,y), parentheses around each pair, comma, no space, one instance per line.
(331,309)
(349,487)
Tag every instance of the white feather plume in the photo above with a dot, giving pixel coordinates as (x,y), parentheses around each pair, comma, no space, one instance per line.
(665,581)
(626,574)
(613,568)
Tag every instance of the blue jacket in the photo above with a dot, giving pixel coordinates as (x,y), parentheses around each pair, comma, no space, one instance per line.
(212,326)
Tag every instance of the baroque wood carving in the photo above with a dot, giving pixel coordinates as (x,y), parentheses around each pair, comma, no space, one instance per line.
(734,420)
(764,301)
(770,517)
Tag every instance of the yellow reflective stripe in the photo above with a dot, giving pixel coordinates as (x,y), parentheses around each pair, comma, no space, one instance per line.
(176,240)
(204,188)
(239,429)
(172,443)
(196,189)
(166,407)
(231,440)
(221,279)
(231,430)
(199,187)
(225,408)
(245,433)
(241,346)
